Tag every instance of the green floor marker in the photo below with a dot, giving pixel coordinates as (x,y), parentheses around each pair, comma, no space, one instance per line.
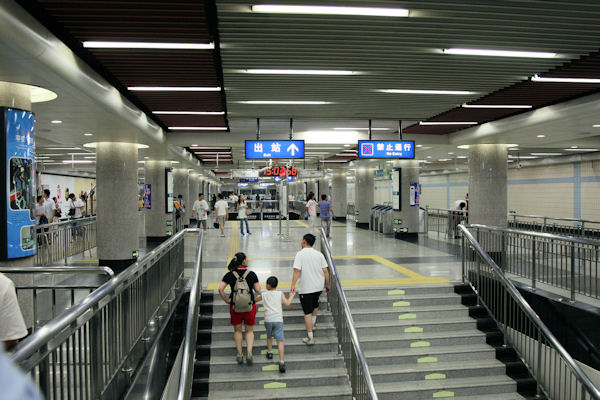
(261,322)
(435,376)
(407,316)
(263,352)
(443,394)
(395,291)
(413,329)
(263,336)
(420,344)
(402,304)
(424,360)
(275,385)
(273,367)
(261,309)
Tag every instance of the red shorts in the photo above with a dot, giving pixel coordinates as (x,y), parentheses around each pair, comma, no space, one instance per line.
(248,318)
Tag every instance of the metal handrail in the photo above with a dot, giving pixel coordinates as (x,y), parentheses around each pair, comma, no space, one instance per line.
(544,336)
(554,218)
(191,329)
(66,222)
(538,234)
(358,388)
(59,270)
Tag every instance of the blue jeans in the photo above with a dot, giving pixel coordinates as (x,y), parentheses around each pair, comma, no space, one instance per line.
(242,225)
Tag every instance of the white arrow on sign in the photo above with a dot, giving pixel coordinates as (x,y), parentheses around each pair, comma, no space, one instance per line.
(293,149)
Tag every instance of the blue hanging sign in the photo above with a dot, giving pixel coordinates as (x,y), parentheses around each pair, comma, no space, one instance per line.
(19,190)
(273,149)
(401,149)
(148,196)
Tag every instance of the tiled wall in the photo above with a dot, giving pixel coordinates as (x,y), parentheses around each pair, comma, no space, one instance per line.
(563,190)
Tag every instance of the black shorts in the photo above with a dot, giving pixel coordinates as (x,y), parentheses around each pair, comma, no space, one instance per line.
(309,302)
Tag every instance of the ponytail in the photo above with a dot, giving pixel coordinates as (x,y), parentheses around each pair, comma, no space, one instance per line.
(236,261)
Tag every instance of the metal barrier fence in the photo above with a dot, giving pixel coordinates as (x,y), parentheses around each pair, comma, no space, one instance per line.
(564,262)
(44,292)
(58,241)
(444,221)
(348,343)
(559,226)
(91,350)
(557,374)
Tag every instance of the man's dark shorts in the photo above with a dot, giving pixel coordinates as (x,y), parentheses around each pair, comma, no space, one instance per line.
(309,302)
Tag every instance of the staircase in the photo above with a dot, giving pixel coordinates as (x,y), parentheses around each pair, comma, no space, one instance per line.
(313,372)
(422,343)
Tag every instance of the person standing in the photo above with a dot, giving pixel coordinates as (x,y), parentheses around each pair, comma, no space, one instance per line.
(39,212)
(311,209)
(49,205)
(242,209)
(222,212)
(326,215)
(239,275)
(310,268)
(200,210)
(12,328)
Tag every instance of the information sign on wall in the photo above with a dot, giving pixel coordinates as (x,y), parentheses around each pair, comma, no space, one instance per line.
(400,149)
(273,149)
(148,196)
(169,190)
(18,191)
(396,190)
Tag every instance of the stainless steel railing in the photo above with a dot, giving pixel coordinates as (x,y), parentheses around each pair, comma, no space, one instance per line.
(349,346)
(58,241)
(91,350)
(557,374)
(564,262)
(44,292)
(445,221)
(559,226)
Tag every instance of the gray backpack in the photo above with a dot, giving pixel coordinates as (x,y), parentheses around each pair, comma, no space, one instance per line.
(242,297)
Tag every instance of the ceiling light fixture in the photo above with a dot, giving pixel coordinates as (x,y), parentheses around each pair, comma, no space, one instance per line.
(499,53)
(77,161)
(147,45)
(448,123)
(198,128)
(444,159)
(537,78)
(329,10)
(298,72)
(546,154)
(427,91)
(361,129)
(495,106)
(188,112)
(540,136)
(284,102)
(596,126)
(174,89)
(580,149)
(88,134)
(56,121)
(346,145)
(61,148)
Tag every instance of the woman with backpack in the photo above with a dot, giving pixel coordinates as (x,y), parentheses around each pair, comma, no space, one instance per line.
(242,307)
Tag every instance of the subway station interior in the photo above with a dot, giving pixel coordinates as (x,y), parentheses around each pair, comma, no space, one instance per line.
(423,175)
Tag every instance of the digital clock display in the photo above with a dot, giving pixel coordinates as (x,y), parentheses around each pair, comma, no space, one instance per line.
(279,171)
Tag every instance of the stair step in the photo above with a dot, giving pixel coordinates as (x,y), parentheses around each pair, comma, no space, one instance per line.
(408,290)
(338,392)
(291,378)
(220,306)
(414,313)
(223,318)
(400,302)
(291,331)
(500,396)
(294,361)
(322,344)
(428,389)
(394,356)
(428,340)
(426,325)
(446,370)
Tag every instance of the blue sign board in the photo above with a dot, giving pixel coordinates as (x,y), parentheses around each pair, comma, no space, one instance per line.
(289,178)
(246,180)
(148,196)
(19,190)
(402,149)
(273,149)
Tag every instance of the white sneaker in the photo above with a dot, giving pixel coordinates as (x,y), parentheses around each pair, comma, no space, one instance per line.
(221,235)
(308,341)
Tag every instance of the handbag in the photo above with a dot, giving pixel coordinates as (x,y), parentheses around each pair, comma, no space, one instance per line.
(71,212)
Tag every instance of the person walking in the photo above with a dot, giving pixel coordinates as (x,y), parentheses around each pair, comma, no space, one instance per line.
(200,210)
(311,209)
(326,215)
(222,212)
(242,209)
(49,205)
(242,305)
(310,268)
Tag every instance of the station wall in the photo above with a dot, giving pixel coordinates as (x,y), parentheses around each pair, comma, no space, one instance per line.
(563,190)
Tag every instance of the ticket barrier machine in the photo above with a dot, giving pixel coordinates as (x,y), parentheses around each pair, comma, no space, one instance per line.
(374,217)
(386,221)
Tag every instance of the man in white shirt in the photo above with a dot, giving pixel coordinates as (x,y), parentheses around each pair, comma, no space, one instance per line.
(311,208)
(311,268)
(12,327)
(50,206)
(200,210)
(222,211)
(39,211)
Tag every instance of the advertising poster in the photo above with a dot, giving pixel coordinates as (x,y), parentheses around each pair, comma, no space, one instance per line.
(147,196)
(396,194)
(169,190)
(19,191)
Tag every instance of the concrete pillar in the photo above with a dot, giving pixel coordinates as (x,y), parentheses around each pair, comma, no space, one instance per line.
(323,187)
(488,184)
(157,217)
(117,215)
(181,186)
(339,197)
(408,215)
(365,196)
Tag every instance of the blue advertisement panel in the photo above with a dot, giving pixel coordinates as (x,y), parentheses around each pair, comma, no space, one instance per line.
(401,149)
(19,194)
(148,196)
(273,149)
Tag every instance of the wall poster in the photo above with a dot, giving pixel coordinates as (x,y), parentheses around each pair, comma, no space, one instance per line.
(396,189)
(169,190)
(18,193)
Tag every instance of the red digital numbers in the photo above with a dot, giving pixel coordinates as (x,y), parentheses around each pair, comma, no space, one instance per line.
(280,171)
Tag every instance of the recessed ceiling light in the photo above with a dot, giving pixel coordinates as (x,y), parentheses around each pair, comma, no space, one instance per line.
(146,158)
(495,106)
(147,45)
(419,145)
(298,72)
(522,157)
(361,129)
(463,146)
(88,134)
(574,147)
(444,159)
(41,158)
(419,91)
(90,157)
(174,162)
(56,121)
(514,149)
(346,145)
(462,157)
(62,148)
(329,10)
(580,149)
(546,154)
(198,128)
(93,145)
(284,102)
(596,126)
(77,161)
(541,136)
(448,123)
(174,89)
(499,53)
(428,156)
(188,112)
(537,78)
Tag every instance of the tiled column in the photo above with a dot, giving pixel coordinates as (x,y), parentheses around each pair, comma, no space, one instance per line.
(364,194)
(339,196)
